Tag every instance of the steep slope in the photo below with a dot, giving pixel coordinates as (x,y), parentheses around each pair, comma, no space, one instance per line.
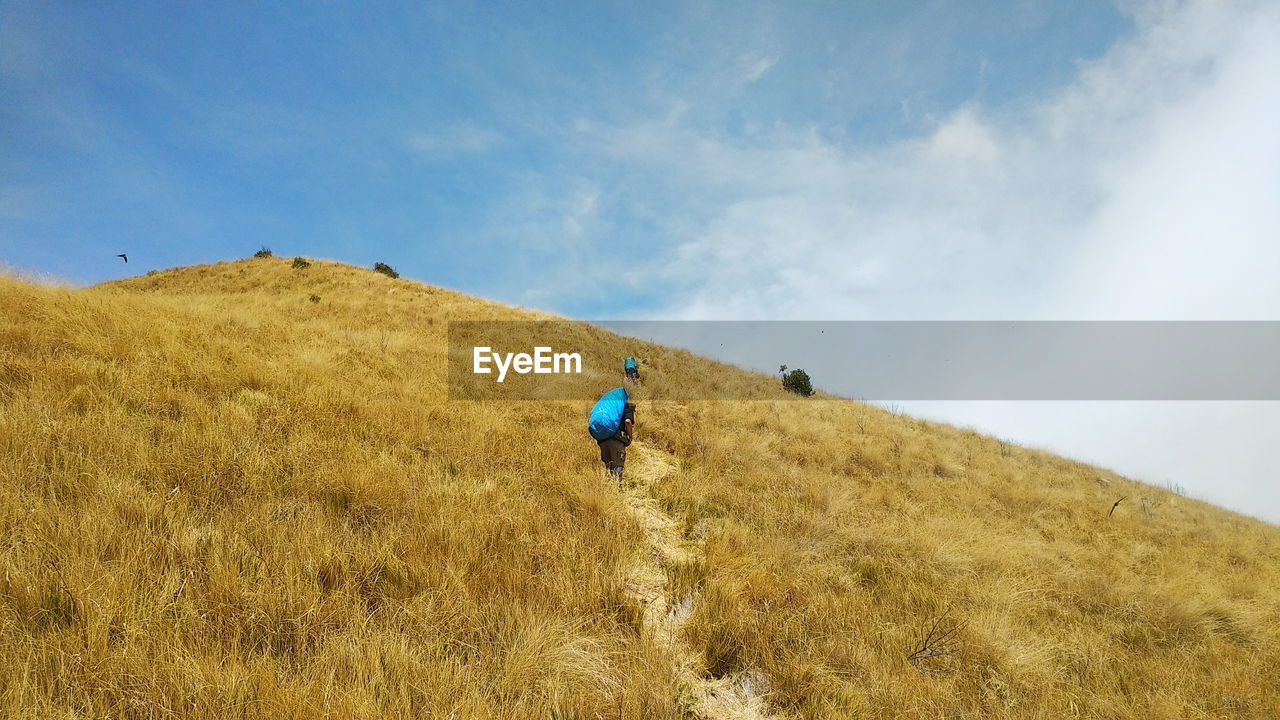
(220,498)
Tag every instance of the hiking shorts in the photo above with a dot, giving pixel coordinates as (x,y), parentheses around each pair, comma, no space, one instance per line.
(613,453)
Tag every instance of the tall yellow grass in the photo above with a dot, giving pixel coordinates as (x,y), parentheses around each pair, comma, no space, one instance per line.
(221,499)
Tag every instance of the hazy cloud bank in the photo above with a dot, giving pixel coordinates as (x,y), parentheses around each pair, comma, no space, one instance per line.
(1145,188)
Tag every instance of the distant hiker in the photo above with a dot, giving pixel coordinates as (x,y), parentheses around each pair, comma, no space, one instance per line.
(612,425)
(632,369)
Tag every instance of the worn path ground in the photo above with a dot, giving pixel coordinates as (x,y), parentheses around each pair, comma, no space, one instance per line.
(734,696)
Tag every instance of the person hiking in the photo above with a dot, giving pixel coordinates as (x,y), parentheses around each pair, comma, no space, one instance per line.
(612,423)
(613,450)
(632,369)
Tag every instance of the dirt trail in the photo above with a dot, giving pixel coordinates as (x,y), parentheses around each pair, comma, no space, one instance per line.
(736,696)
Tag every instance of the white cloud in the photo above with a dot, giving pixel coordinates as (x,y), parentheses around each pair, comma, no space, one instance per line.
(1188,223)
(964,139)
(1144,188)
(755,67)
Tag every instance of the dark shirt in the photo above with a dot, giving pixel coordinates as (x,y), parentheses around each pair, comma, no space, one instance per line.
(628,416)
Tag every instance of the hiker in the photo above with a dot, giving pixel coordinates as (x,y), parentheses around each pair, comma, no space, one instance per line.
(632,369)
(612,425)
(613,450)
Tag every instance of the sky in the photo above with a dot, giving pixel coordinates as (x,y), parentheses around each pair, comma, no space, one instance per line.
(1011,159)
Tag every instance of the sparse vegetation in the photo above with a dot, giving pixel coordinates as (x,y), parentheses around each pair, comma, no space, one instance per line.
(315,298)
(263,253)
(218,502)
(300,263)
(797,381)
(385,269)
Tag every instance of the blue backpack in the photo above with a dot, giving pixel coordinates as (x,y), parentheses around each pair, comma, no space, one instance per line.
(630,364)
(606,416)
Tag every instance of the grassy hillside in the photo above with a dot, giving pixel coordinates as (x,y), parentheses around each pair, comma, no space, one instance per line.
(220,498)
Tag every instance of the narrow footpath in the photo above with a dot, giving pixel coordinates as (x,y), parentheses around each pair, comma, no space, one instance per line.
(736,696)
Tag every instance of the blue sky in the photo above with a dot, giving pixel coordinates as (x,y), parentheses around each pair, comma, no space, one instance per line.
(877,160)
(459,142)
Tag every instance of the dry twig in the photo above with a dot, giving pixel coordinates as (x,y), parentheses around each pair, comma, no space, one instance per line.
(936,647)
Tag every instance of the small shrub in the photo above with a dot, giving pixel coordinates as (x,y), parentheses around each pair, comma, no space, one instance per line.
(797,381)
(263,253)
(385,269)
(315,298)
(300,263)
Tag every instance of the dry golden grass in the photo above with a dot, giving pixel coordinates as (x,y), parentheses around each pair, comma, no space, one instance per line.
(221,499)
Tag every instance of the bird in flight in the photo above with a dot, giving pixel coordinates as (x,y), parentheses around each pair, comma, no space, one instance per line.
(123,257)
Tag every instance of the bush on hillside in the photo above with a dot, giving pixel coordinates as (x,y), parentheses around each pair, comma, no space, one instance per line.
(300,263)
(263,253)
(797,381)
(385,269)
